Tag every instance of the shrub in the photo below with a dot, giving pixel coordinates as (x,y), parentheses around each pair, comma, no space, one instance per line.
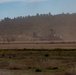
(38,70)
(29,68)
(2,55)
(46,55)
(14,68)
(52,68)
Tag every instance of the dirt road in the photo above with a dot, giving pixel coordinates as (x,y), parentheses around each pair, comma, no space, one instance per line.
(37,45)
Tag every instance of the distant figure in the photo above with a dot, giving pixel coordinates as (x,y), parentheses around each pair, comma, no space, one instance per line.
(54,36)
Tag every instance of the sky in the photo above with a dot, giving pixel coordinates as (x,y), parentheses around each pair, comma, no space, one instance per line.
(15,8)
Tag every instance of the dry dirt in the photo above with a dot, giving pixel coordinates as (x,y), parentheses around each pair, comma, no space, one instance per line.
(38,45)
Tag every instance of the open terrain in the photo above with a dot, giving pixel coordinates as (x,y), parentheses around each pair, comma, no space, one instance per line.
(38,61)
(37,45)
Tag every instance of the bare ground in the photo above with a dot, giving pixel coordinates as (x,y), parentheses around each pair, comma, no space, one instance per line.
(37,45)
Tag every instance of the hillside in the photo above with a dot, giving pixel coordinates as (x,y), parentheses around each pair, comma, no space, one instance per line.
(41,27)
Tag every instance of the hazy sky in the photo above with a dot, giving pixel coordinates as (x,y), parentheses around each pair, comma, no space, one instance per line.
(14,8)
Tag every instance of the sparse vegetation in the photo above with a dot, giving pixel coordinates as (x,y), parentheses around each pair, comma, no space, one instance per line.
(55,61)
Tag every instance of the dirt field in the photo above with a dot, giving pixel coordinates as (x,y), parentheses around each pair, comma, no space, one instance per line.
(38,45)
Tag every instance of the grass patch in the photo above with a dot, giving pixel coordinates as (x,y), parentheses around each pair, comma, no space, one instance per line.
(37,60)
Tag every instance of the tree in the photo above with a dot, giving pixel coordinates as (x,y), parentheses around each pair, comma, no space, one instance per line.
(37,14)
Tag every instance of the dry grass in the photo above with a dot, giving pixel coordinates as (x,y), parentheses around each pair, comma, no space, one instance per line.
(38,62)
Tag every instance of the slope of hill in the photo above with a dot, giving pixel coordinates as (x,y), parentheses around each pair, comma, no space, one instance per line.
(39,28)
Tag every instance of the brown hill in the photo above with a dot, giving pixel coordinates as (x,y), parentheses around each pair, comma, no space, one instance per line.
(39,27)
